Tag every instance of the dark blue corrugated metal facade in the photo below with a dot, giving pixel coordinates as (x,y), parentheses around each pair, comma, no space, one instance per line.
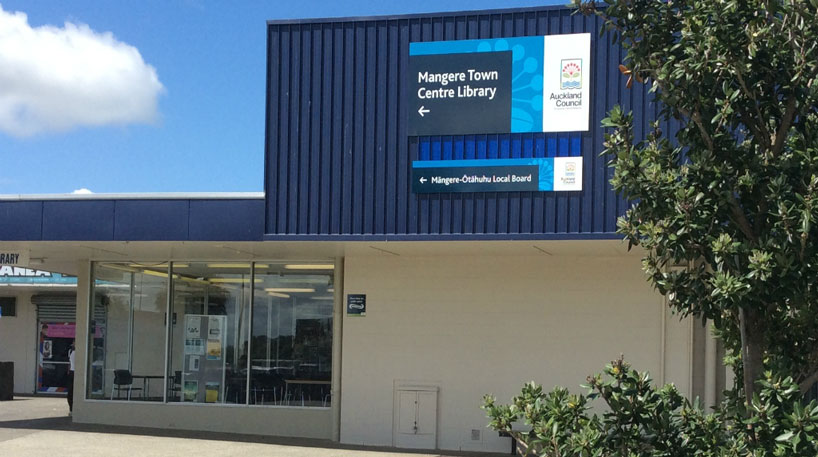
(338,158)
(235,219)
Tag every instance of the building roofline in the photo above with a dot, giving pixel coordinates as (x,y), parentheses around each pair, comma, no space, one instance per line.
(138,196)
(405,16)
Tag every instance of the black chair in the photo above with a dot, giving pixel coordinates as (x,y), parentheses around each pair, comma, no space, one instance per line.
(123,380)
(266,385)
(175,386)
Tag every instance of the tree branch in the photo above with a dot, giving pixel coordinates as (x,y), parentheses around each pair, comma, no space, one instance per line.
(805,385)
(741,219)
(763,137)
(786,123)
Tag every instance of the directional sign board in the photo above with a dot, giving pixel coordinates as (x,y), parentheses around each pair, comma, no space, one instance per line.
(461,93)
(504,85)
(497,175)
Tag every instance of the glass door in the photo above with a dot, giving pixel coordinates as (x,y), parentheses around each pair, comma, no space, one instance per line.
(55,339)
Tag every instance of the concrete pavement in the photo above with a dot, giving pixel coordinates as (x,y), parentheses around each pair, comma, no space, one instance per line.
(40,426)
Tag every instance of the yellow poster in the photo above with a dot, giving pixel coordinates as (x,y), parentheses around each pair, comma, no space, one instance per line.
(214,350)
(212,392)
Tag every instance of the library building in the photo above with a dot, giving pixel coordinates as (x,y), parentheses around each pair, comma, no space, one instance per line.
(436,224)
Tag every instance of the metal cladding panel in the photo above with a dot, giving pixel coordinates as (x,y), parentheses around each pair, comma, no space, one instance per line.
(220,220)
(132,220)
(21,221)
(338,157)
(154,220)
(85,220)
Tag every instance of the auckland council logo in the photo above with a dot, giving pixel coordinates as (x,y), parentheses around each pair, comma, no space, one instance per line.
(570,176)
(571,74)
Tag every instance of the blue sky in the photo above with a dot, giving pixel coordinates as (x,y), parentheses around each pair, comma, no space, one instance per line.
(205,131)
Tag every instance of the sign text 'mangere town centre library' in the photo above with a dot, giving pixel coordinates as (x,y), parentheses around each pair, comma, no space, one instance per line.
(504,85)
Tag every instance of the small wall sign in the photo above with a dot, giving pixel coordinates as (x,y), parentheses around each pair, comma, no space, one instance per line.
(14,257)
(356,305)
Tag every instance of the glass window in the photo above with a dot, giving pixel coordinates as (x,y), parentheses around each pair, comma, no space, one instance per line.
(288,334)
(292,335)
(211,306)
(127,343)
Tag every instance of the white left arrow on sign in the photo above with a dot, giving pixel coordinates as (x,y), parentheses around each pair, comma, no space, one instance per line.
(423,180)
(423,110)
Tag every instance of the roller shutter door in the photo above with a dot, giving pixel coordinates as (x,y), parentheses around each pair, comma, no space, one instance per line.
(55,308)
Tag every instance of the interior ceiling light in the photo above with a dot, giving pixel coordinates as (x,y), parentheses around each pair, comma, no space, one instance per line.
(323,298)
(293,290)
(159,265)
(112,286)
(119,267)
(316,266)
(236,265)
(276,294)
(297,280)
(193,280)
(158,274)
(231,280)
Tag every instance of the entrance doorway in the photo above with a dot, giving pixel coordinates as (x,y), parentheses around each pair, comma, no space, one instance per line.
(52,367)
(56,332)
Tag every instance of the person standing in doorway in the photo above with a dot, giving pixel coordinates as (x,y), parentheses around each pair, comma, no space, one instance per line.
(71,352)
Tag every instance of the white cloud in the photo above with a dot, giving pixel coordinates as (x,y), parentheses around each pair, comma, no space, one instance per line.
(82,191)
(55,79)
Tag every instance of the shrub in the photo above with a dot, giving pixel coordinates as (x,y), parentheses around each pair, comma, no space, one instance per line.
(641,420)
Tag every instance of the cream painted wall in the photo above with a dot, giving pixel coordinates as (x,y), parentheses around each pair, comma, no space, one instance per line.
(18,341)
(476,325)
(279,421)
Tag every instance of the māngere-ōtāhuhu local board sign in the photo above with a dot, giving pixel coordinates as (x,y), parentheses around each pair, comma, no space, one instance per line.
(497,175)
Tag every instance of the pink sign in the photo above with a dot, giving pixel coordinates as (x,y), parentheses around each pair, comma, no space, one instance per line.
(67,330)
(64,330)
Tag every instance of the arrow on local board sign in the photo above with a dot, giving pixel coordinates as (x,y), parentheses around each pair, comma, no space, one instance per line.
(502,85)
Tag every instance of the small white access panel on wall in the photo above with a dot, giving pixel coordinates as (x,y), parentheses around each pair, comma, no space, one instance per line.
(415,416)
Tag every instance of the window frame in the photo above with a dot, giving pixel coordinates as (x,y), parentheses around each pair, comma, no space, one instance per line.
(169,264)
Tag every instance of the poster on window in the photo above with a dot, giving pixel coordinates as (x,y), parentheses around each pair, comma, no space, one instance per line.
(193,326)
(205,357)
(47,345)
(194,346)
(214,349)
(191,389)
(214,328)
(212,392)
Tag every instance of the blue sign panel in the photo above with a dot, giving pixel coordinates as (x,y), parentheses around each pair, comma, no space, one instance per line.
(497,175)
(501,85)
(18,275)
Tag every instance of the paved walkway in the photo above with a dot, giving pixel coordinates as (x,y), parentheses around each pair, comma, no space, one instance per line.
(39,426)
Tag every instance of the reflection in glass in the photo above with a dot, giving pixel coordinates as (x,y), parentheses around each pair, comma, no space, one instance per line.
(288,333)
(207,362)
(292,338)
(127,329)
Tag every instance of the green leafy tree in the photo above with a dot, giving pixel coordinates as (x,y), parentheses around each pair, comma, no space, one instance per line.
(734,194)
(642,420)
